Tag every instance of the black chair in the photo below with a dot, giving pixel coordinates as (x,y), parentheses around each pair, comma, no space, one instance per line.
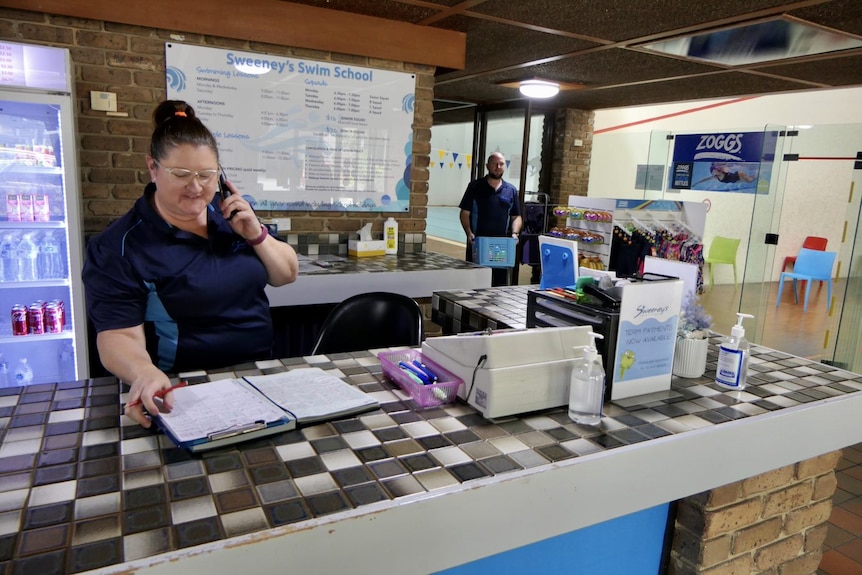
(369,321)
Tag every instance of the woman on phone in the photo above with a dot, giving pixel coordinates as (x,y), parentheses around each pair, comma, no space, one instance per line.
(177,283)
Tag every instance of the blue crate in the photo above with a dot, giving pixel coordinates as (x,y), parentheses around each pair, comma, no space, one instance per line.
(494,252)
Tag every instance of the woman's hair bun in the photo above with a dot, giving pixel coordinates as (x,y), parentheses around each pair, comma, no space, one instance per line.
(170,109)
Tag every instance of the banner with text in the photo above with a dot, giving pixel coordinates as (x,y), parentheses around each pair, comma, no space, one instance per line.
(298,134)
(725,162)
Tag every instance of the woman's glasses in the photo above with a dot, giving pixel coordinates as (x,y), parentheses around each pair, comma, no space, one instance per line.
(185,176)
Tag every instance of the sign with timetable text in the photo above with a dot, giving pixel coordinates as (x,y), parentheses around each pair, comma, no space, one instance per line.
(298,134)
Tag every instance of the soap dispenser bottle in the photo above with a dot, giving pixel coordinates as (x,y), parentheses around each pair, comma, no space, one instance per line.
(587,387)
(732,369)
(390,235)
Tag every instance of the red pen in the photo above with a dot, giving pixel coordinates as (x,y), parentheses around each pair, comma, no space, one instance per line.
(161,393)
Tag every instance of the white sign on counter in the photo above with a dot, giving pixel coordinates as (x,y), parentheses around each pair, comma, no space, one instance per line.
(649,315)
(298,134)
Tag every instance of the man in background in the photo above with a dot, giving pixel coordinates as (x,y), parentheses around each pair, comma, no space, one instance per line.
(491,208)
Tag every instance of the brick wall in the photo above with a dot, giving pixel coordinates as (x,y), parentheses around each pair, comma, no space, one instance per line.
(570,170)
(770,524)
(130,61)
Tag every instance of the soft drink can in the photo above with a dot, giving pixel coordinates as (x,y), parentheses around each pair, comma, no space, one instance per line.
(19,320)
(53,318)
(36,318)
(61,306)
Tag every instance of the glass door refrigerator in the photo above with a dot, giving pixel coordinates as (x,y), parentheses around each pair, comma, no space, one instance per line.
(42,320)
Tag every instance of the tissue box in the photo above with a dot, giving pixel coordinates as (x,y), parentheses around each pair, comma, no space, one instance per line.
(361,249)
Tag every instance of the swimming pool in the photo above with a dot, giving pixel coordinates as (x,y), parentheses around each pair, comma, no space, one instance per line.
(443,222)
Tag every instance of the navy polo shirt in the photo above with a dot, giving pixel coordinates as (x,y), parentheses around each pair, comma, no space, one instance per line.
(490,210)
(201,300)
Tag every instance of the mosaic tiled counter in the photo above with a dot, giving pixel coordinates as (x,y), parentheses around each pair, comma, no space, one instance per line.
(462,310)
(415,275)
(396,490)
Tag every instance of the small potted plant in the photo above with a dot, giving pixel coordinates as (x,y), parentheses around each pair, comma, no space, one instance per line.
(692,338)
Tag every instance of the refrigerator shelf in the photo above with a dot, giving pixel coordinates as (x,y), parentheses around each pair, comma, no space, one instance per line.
(35,283)
(7,338)
(6,167)
(52,224)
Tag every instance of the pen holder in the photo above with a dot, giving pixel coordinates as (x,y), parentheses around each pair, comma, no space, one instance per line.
(444,391)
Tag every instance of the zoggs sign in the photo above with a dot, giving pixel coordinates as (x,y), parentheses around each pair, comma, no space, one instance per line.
(732,146)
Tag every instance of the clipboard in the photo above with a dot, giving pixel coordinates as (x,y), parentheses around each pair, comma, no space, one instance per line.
(223,412)
(219,413)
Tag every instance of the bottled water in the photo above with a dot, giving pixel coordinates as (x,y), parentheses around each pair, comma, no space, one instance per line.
(4,372)
(8,259)
(23,373)
(27,255)
(67,362)
(50,262)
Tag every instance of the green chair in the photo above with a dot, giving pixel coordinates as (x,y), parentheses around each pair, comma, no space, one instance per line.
(722,251)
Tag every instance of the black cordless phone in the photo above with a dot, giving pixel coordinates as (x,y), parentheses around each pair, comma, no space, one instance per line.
(223,190)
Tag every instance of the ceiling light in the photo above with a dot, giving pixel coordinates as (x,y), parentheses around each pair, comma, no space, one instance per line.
(539,88)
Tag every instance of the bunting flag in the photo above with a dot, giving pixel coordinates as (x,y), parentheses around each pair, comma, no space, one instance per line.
(449,159)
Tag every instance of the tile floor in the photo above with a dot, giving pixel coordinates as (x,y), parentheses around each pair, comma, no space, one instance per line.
(842,550)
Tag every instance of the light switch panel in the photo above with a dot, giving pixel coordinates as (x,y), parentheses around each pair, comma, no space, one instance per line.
(103,101)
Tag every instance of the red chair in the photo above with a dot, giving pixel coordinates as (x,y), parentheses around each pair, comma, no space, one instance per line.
(810,243)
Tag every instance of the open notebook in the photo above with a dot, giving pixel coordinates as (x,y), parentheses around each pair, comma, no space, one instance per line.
(217,413)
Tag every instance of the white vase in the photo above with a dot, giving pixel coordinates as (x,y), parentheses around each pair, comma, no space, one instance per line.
(689,357)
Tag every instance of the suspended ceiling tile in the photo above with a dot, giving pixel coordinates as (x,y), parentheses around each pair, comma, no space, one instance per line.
(832,72)
(491,45)
(619,20)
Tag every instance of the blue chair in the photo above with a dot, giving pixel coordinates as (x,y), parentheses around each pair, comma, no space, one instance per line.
(810,265)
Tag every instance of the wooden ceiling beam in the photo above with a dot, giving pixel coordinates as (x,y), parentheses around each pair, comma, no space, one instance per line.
(275,22)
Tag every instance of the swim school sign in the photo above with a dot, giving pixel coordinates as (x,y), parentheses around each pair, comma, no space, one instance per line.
(298,134)
(725,162)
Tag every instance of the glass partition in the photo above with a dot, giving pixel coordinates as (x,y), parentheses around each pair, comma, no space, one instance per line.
(848,339)
(743,208)
(651,178)
(817,184)
(759,254)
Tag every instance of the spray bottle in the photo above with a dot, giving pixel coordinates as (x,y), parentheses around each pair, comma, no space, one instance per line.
(587,387)
(732,369)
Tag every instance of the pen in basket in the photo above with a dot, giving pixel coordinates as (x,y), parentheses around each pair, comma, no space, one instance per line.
(415,373)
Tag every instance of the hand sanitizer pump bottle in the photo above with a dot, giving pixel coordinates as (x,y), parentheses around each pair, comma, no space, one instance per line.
(732,369)
(587,388)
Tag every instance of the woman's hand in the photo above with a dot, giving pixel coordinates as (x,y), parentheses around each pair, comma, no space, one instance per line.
(123,352)
(142,394)
(240,215)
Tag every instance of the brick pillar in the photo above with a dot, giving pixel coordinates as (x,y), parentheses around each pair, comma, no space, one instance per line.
(770,524)
(573,146)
